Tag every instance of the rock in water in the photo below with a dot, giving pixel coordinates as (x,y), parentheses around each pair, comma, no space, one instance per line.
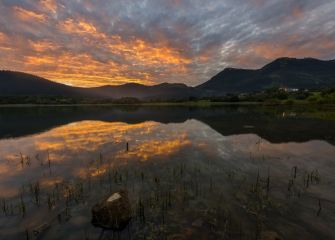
(113,212)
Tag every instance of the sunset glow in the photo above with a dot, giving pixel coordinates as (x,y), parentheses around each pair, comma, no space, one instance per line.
(92,43)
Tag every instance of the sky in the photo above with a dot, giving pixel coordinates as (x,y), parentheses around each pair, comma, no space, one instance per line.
(99,42)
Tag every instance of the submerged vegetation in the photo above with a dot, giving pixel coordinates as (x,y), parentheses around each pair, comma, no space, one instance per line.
(179,200)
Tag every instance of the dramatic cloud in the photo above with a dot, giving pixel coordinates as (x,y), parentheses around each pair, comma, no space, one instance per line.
(99,42)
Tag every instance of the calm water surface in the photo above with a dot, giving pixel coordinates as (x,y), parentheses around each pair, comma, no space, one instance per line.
(197,173)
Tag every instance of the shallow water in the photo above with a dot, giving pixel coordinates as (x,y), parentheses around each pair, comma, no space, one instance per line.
(197,173)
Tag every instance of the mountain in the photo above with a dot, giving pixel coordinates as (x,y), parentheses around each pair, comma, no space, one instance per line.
(284,72)
(160,91)
(18,83)
(306,73)
(23,84)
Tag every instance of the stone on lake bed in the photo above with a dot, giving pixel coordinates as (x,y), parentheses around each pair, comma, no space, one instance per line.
(113,212)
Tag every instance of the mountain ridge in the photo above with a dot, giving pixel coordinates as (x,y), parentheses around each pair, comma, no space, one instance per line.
(23,84)
(283,72)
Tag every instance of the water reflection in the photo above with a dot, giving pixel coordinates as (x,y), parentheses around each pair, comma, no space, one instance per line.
(207,158)
(272,123)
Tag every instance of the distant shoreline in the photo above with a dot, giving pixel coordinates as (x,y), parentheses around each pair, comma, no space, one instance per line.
(136,104)
(167,104)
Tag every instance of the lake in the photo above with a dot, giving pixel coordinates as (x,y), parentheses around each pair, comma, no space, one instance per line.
(232,172)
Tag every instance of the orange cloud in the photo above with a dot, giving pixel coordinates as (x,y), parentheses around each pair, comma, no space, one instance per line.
(27,15)
(142,52)
(80,27)
(38,61)
(140,59)
(49,5)
(135,49)
(42,46)
(81,70)
(157,55)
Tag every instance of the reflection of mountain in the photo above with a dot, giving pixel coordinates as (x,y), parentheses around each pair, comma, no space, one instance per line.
(17,122)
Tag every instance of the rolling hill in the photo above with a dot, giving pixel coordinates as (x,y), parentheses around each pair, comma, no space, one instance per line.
(23,84)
